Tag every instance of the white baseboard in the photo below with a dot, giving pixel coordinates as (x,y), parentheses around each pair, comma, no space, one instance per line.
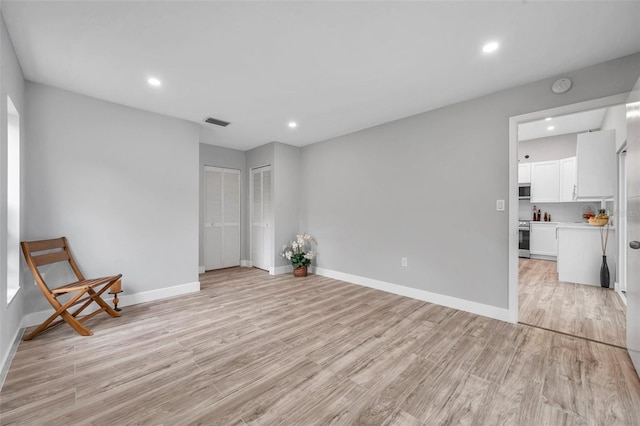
(543,257)
(36,318)
(6,362)
(201,270)
(501,314)
(161,293)
(246,263)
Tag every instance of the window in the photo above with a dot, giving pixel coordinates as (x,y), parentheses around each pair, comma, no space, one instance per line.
(13,200)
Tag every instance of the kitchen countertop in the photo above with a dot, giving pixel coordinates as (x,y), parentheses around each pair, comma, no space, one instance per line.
(571,225)
(580,225)
(586,225)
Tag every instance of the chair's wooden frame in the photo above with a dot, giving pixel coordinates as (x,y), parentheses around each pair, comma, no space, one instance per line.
(81,287)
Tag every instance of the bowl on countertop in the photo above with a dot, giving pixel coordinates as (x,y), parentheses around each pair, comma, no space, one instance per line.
(598,222)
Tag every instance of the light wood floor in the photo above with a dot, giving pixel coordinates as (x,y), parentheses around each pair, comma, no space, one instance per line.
(256,349)
(580,310)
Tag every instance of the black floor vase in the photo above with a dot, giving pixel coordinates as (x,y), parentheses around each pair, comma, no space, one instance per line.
(604,273)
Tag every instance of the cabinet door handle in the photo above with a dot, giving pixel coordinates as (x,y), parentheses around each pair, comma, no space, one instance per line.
(634,245)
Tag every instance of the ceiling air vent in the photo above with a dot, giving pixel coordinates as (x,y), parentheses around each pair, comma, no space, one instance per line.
(217,122)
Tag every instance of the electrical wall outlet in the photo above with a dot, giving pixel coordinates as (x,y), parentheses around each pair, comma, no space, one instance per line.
(404,261)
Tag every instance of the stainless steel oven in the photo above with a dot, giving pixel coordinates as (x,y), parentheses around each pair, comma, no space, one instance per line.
(524,235)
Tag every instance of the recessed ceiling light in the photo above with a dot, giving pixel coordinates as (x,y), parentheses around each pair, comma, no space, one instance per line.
(293,124)
(551,127)
(490,47)
(547,119)
(154,81)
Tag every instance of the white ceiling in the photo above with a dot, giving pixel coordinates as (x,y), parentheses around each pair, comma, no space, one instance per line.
(334,67)
(562,125)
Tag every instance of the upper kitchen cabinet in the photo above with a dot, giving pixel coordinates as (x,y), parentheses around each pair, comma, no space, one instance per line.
(524,173)
(567,179)
(595,165)
(545,181)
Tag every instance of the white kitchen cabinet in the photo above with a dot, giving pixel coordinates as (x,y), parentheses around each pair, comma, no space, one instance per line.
(596,165)
(545,182)
(567,179)
(524,173)
(542,240)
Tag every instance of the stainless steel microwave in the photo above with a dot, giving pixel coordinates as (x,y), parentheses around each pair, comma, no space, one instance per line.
(524,191)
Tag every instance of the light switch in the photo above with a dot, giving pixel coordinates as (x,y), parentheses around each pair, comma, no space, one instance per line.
(500,205)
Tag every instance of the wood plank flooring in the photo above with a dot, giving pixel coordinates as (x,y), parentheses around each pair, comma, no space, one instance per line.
(580,310)
(253,349)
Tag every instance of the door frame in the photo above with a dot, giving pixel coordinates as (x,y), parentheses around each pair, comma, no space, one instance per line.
(513,180)
(621,221)
(251,207)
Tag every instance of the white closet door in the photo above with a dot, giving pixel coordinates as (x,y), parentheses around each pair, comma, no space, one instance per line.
(212,218)
(231,219)
(221,218)
(261,218)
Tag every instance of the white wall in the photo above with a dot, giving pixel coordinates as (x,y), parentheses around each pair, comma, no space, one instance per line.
(11,84)
(120,183)
(616,118)
(287,194)
(425,188)
(231,159)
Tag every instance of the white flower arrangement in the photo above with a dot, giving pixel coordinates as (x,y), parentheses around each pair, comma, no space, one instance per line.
(297,253)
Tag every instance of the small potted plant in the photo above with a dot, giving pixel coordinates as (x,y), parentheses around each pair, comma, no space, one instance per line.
(300,254)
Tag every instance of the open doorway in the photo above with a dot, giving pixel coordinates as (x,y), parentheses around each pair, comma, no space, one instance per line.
(555,274)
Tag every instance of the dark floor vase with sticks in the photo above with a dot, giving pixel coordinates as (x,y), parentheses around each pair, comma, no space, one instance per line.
(604,273)
(604,239)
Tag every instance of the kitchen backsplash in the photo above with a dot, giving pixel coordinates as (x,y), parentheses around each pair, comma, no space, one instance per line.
(560,212)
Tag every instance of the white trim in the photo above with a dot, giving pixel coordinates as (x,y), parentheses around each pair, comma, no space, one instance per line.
(513,179)
(36,318)
(246,263)
(161,293)
(543,257)
(620,208)
(623,296)
(201,270)
(6,362)
(439,299)
(12,293)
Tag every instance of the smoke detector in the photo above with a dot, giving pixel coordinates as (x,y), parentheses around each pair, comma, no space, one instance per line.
(561,85)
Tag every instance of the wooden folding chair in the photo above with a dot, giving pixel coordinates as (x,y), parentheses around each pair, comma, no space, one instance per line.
(57,250)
